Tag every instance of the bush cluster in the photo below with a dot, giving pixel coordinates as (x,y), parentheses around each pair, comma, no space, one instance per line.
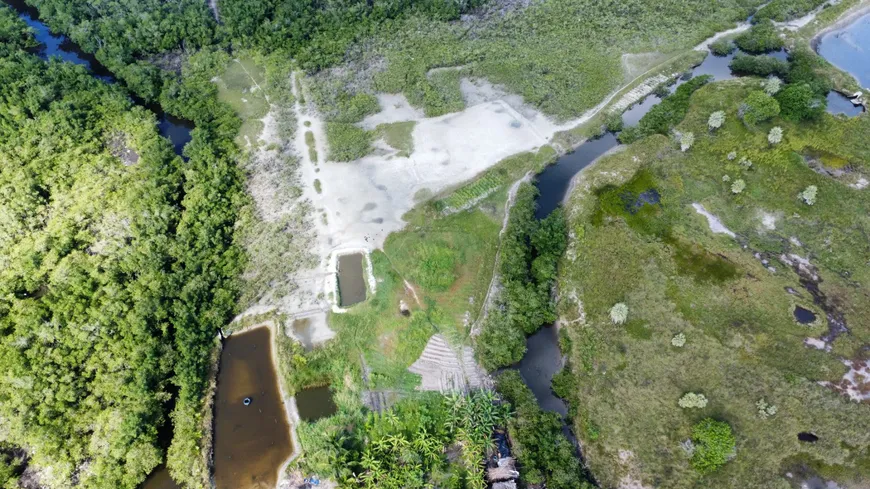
(762,37)
(714,445)
(530,253)
(546,455)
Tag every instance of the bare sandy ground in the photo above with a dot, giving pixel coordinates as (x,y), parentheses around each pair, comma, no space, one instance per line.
(716,226)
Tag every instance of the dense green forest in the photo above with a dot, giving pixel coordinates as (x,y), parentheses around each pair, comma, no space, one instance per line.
(119,268)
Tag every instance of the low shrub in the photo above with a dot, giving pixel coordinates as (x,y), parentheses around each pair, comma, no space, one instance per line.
(798,102)
(347,142)
(667,114)
(758,107)
(723,47)
(716,120)
(775,135)
(714,445)
(619,313)
(693,400)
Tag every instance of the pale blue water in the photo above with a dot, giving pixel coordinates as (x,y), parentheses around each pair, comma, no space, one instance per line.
(849,49)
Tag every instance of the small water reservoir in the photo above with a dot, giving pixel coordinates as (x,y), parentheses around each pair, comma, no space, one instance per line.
(315,403)
(351,281)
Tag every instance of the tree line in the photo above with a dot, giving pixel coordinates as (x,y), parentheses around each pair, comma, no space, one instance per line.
(120,265)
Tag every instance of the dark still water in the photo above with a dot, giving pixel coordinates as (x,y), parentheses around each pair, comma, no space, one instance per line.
(351,282)
(542,361)
(159,479)
(315,403)
(840,104)
(849,49)
(554,181)
(175,129)
(251,442)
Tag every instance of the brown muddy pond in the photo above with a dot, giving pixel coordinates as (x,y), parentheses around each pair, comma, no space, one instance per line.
(315,403)
(252,441)
(159,479)
(351,281)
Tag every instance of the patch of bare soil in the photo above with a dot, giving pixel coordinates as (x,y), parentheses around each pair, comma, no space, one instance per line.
(856,382)
(117,144)
(444,369)
(845,174)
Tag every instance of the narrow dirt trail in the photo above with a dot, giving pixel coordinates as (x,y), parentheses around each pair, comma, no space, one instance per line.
(212,4)
(493,283)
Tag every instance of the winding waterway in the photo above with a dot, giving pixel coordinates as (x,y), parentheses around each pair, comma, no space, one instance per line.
(175,129)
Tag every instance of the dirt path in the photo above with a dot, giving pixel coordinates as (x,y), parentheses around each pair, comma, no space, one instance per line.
(212,4)
(494,282)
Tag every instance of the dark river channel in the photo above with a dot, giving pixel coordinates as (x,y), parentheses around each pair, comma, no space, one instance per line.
(175,129)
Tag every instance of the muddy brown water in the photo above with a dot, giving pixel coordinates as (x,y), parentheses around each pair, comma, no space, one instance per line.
(250,442)
(351,281)
(159,479)
(315,403)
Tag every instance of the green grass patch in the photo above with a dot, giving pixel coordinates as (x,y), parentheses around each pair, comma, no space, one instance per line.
(312,148)
(240,86)
(498,177)
(399,136)
(451,260)
(785,10)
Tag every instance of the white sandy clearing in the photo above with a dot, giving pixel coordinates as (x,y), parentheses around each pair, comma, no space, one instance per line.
(768,221)
(716,226)
(705,45)
(362,202)
(817,344)
(395,108)
(855,383)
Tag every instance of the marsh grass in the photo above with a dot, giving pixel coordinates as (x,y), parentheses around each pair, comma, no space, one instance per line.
(240,86)
(675,275)
(451,261)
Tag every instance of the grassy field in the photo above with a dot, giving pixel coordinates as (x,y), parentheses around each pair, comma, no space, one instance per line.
(398,136)
(240,87)
(742,343)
